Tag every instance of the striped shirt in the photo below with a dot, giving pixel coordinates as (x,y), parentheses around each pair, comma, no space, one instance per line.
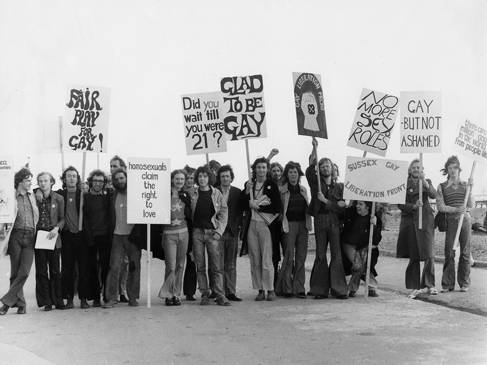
(454,194)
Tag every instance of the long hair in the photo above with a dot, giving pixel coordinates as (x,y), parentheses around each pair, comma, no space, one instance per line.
(410,168)
(204,170)
(20,175)
(291,165)
(63,176)
(222,169)
(258,161)
(175,172)
(94,173)
(451,160)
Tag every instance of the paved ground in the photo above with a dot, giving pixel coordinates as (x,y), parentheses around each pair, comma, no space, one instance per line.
(385,330)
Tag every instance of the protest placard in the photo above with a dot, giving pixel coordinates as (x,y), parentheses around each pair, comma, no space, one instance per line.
(148,191)
(471,140)
(374,120)
(7,190)
(420,122)
(204,130)
(375,180)
(243,107)
(85,119)
(310,105)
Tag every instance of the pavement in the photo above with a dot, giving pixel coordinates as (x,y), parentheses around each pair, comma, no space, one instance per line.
(390,329)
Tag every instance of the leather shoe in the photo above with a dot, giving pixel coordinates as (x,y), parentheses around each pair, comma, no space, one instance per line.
(133,303)
(123,299)
(373,293)
(168,302)
(271,296)
(190,298)
(301,295)
(21,310)
(84,304)
(223,301)
(60,306)
(4,310)
(96,303)
(234,298)
(212,295)
(48,308)
(260,297)
(176,301)
(69,304)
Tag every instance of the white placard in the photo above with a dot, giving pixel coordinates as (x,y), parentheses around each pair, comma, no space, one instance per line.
(471,141)
(148,190)
(7,190)
(43,243)
(375,179)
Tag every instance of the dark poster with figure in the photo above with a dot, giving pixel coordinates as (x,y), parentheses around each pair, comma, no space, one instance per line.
(310,106)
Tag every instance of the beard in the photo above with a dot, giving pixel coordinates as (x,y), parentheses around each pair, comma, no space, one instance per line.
(120,186)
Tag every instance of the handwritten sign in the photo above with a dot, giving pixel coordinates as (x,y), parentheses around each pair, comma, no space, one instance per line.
(471,140)
(362,182)
(85,127)
(148,191)
(310,106)
(374,120)
(243,105)
(420,122)
(204,129)
(7,190)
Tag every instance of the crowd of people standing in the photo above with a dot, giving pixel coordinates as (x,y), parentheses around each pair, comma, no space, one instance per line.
(98,254)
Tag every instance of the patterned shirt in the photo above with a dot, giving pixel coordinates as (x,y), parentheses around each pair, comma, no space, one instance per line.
(44,213)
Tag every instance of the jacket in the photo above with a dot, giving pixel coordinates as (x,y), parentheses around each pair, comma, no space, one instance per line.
(234,206)
(334,193)
(283,189)
(56,212)
(220,218)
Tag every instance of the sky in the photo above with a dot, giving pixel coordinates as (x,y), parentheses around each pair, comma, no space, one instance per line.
(149,53)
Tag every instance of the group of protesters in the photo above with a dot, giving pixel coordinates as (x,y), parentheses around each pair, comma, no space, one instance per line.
(98,256)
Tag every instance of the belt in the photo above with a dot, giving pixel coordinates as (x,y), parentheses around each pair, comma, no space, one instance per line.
(24,231)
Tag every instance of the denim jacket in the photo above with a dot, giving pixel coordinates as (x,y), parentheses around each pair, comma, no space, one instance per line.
(219,219)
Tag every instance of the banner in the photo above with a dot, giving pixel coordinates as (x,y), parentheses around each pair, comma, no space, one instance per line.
(310,106)
(203,125)
(7,190)
(85,119)
(471,140)
(243,107)
(374,120)
(420,122)
(148,191)
(374,179)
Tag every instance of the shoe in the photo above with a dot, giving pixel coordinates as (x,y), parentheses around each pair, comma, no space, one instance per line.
(96,303)
(169,302)
(4,310)
(48,308)
(433,291)
(287,295)
(21,310)
(373,293)
(69,304)
(123,299)
(301,295)
(414,294)
(205,301)
(233,298)
(176,301)
(60,306)
(260,297)
(212,295)
(321,296)
(84,304)
(190,298)
(271,296)
(109,304)
(223,302)
(464,289)
(351,293)
(446,290)
(310,294)
(342,296)
(133,303)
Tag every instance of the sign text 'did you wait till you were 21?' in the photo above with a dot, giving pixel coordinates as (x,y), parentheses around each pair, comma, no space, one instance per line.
(148,191)
(375,180)
(243,107)
(85,120)
(374,120)
(421,122)
(204,130)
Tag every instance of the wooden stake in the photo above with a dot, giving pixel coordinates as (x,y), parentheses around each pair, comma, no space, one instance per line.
(420,212)
(456,243)
(248,167)
(149,256)
(63,164)
(369,252)
(82,198)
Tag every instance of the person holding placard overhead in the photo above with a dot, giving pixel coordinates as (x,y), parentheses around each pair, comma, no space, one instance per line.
(21,242)
(175,240)
(262,209)
(450,200)
(325,207)
(412,242)
(47,262)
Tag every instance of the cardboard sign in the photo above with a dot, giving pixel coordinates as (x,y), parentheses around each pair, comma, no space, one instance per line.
(85,127)
(471,141)
(374,179)
(420,122)
(148,191)
(374,120)
(203,123)
(7,190)
(310,106)
(243,107)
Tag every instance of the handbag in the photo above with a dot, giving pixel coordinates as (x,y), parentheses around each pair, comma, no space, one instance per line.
(440,218)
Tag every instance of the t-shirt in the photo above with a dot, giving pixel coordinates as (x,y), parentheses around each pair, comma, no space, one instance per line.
(296,208)
(204,211)
(178,220)
(71,216)
(121,226)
